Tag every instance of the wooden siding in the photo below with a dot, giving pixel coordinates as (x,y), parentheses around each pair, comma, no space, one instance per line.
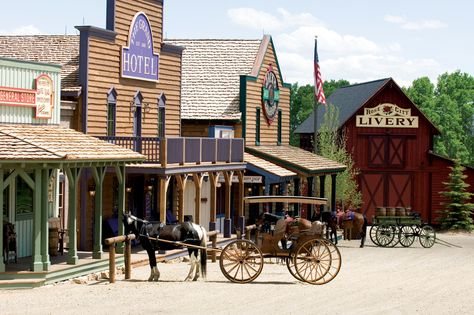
(104,73)
(268,133)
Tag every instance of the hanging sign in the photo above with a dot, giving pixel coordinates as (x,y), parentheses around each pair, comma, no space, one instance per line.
(270,95)
(41,98)
(138,59)
(387,116)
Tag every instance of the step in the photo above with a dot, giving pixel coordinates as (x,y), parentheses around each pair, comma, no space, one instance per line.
(21,283)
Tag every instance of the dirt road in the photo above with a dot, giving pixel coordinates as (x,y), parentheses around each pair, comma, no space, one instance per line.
(372,280)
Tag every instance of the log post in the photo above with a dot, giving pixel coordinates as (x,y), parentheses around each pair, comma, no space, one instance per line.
(112,263)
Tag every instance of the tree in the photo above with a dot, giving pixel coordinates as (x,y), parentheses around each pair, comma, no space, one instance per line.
(332,145)
(457,214)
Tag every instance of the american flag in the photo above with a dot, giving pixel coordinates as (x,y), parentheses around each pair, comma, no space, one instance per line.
(318,81)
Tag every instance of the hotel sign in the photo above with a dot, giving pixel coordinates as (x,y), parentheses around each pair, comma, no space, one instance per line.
(387,116)
(138,59)
(247,179)
(41,98)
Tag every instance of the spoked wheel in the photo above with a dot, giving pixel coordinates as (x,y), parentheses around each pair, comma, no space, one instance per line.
(290,264)
(372,232)
(384,235)
(396,238)
(406,236)
(241,261)
(427,236)
(317,261)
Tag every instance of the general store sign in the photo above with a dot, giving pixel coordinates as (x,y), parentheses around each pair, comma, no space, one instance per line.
(41,98)
(138,59)
(387,116)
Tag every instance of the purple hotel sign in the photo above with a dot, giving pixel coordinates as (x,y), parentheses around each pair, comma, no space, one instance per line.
(138,60)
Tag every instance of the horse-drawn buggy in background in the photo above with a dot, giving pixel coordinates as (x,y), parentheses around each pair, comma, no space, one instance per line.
(391,226)
(309,257)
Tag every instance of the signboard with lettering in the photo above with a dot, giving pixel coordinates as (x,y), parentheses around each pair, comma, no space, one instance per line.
(247,179)
(42,98)
(138,59)
(387,115)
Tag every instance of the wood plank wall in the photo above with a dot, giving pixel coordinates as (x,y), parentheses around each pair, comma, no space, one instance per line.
(268,133)
(104,73)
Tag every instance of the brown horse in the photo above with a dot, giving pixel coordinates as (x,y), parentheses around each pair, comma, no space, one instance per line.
(354,225)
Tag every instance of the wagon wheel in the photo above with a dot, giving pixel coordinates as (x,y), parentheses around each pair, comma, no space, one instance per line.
(290,264)
(406,236)
(241,261)
(427,236)
(372,233)
(384,235)
(317,261)
(396,238)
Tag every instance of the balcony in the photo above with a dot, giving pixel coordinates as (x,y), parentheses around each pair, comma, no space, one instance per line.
(183,151)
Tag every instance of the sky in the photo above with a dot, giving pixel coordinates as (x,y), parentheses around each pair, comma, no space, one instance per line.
(358,41)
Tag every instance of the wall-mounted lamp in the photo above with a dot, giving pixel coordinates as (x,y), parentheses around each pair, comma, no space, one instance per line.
(91,192)
(218,185)
(249,189)
(128,189)
(149,188)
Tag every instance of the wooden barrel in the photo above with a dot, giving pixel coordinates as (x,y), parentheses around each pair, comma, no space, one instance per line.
(380,212)
(400,211)
(53,241)
(390,211)
(408,210)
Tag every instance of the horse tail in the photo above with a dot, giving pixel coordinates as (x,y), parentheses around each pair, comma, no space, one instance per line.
(204,252)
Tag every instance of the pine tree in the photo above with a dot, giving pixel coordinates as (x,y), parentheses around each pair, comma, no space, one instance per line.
(457,214)
(332,145)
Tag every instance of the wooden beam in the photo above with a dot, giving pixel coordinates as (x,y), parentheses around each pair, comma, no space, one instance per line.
(288,199)
(197,178)
(213,177)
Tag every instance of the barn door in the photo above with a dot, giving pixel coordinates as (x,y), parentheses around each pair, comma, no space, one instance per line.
(385,189)
(387,151)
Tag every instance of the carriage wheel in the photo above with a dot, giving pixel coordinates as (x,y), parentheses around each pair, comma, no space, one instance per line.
(396,238)
(241,261)
(384,235)
(406,236)
(317,261)
(372,232)
(290,264)
(427,236)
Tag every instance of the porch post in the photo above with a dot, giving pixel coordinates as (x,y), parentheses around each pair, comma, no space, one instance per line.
(197,178)
(2,264)
(240,207)
(322,181)
(73,175)
(36,250)
(213,178)
(333,192)
(310,194)
(98,173)
(228,185)
(296,206)
(44,220)
(120,172)
(181,179)
(163,185)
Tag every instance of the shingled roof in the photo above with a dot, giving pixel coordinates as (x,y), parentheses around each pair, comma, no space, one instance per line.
(56,144)
(211,72)
(54,49)
(348,99)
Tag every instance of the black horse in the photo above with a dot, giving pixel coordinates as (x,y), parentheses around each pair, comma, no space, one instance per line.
(187,232)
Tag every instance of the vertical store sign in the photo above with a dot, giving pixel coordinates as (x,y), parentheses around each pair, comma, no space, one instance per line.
(138,60)
(44,96)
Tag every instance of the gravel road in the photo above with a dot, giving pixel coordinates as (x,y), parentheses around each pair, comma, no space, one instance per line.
(372,280)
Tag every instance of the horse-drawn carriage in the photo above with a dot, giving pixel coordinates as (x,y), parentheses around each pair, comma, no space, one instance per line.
(391,226)
(309,257)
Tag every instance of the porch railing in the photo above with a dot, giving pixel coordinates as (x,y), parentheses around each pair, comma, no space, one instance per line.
(183,150)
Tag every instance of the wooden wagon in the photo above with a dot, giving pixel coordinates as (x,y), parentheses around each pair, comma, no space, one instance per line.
(309,257)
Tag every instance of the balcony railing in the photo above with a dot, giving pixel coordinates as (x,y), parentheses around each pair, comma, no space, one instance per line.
(183,150)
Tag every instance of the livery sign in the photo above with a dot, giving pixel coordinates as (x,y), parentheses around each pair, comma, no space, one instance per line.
(138,59)
(387,116)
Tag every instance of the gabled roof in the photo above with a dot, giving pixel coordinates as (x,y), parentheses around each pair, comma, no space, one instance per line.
(211,70)
(348,99)
(53,49)
(267,166)
(57,144)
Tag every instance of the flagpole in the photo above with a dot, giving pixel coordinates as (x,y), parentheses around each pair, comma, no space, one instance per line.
(315,121)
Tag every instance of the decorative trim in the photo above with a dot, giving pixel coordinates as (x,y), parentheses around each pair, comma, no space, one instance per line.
(172,49)
(98,32)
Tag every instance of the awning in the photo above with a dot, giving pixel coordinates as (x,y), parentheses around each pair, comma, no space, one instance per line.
(296,160)
(52,143)
(268,169)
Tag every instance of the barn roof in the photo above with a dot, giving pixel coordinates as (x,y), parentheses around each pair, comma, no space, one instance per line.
(348,99)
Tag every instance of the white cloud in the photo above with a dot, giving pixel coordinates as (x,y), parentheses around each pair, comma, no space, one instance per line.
(22,30)
(414,25)
(342,56)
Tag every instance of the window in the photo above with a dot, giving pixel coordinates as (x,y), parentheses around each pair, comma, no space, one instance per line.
(257,128)
(279,127)
(111,112)
(161,115)
(24,197)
